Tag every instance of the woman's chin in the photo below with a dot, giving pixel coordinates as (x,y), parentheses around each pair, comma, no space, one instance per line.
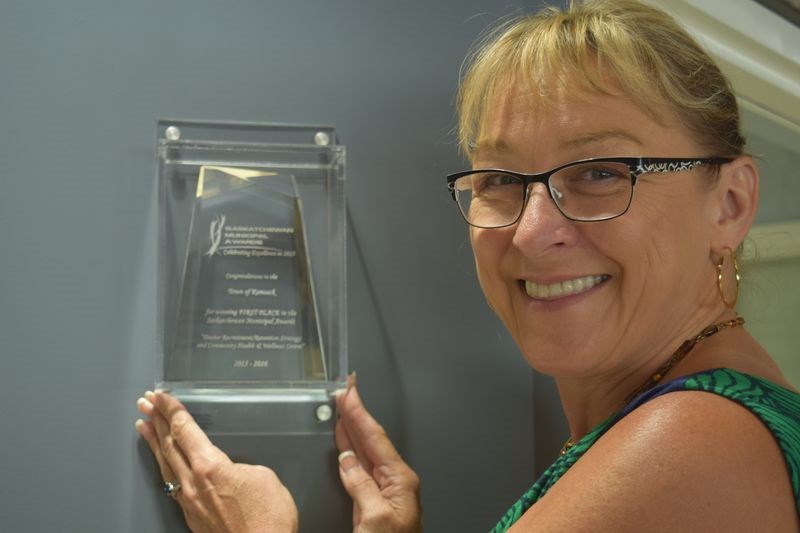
(558,355)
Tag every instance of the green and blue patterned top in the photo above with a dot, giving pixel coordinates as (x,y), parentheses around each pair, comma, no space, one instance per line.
(778,408)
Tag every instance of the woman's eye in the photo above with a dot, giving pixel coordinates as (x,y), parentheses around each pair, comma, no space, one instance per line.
(498,180)
(587,175)
(601,173)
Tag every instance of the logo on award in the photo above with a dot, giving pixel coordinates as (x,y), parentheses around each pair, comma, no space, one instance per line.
(215,232)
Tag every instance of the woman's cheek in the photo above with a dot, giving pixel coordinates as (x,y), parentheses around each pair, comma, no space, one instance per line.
(488,252)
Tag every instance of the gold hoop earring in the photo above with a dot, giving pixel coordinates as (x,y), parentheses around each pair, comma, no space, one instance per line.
(729,304)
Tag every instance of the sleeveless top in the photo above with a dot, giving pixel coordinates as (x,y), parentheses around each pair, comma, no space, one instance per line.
(778,408)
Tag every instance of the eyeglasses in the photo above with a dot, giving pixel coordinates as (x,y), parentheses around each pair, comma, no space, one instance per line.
(589,190)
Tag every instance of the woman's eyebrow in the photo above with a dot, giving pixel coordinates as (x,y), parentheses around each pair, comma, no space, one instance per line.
(493,147)
(582,140)
(490,147)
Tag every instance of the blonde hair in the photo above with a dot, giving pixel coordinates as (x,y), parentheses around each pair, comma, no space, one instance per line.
(652,59)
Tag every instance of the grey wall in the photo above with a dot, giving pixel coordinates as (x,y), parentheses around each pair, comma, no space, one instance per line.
(83,83)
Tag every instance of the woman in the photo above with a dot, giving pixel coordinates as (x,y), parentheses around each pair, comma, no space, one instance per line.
(607,245)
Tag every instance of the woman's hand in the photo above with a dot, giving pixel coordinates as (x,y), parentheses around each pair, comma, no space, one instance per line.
(384,489)
(215,493)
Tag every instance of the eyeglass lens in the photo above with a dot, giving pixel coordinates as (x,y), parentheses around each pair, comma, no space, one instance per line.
(583,191)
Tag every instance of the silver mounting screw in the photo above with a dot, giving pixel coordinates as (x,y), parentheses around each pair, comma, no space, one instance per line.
(324,412)
(322,139)
(172,133)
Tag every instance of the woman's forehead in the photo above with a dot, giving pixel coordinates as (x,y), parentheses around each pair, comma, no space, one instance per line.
(513,98)
(587,115)
(596,124)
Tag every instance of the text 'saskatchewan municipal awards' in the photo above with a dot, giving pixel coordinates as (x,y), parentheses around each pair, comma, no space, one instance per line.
(246,309)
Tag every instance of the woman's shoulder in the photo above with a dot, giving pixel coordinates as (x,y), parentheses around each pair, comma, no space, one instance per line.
(736,449)
(776,406)
(772,402)
(716,405)
(687,460)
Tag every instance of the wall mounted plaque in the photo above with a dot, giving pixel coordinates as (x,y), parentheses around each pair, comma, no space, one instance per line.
(251,274)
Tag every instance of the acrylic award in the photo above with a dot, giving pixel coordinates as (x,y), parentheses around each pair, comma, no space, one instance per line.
(251,274)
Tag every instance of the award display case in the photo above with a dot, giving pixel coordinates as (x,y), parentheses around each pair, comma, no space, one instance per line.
(252,309)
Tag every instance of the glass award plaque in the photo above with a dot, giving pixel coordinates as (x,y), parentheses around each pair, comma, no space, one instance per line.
(251,274)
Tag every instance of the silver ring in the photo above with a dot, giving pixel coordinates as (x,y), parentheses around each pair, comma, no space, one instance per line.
(171,488)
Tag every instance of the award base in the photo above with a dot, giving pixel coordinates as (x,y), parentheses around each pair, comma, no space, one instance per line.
(259,411)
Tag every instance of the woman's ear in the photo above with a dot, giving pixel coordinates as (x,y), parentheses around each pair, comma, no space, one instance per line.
(736,203)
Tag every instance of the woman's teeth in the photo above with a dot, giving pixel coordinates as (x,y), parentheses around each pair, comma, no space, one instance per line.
(563,288)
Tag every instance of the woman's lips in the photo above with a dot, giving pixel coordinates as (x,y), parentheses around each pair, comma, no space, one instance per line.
(561,289)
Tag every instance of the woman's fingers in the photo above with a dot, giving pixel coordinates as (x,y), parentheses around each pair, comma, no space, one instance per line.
(345,442)
(367,436)
(196,447)
(177,442)
(170,449)
(144,406)
(359,484)
(148,433)
(386,495)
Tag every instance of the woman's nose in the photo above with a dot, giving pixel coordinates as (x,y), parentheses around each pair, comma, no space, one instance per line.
(542,226)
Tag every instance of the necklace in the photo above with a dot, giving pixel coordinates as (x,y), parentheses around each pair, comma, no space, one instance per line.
(674,359)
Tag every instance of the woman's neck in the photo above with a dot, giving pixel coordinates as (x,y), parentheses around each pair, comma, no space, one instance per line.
(588,401)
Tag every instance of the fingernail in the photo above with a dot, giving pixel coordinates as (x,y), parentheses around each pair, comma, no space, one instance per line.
(351,382)
(348,460)
(149,395)
(139,424)
(144,404)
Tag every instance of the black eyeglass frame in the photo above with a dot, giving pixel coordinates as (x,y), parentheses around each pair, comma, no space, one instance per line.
(636,165)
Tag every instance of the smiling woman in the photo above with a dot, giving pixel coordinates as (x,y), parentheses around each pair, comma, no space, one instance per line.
(609,194)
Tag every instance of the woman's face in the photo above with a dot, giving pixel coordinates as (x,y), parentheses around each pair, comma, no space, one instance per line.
(652,271)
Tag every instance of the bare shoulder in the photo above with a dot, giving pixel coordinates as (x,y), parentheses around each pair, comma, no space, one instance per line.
(685,461)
